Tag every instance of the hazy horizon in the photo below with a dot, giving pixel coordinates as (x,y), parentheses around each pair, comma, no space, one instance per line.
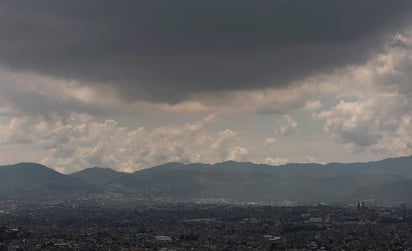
(202,163)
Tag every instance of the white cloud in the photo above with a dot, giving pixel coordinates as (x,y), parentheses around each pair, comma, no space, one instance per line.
(311,159)
(376,102)
(77,141)
(276,161)
(353,123)
(269,141)
(287,125)
(238,154)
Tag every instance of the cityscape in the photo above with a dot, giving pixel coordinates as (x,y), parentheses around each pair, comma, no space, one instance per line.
(104,225)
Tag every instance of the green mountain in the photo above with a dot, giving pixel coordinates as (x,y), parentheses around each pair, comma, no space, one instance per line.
(387,181)
(304,183)
(97,175)
(393,191)
(30,180)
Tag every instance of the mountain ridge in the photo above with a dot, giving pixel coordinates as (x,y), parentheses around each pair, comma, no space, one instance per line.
(97,175)
(237,181)
(33,180)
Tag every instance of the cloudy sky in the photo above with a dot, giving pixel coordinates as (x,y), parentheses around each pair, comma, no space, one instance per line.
(132,84)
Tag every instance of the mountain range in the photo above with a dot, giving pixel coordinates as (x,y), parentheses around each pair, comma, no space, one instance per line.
(35,181)
(385,181)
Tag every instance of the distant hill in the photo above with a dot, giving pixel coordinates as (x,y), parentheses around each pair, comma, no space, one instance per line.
(97,175)
(30,180)
(393,191)
(304,183)
(387,181)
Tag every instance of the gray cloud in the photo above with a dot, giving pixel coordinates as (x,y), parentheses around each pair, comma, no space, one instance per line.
(168,50)
(374,113)
(30,94)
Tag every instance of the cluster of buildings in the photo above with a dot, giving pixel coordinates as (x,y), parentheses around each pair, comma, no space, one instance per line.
(196,226)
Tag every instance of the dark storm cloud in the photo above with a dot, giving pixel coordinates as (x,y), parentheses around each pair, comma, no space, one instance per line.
(165,50)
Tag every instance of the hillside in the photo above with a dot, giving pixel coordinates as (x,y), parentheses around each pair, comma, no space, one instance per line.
(30,180)
(97,175)
(305,183)
(387,181)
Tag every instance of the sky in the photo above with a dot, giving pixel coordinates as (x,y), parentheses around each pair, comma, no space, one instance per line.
(133,84)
